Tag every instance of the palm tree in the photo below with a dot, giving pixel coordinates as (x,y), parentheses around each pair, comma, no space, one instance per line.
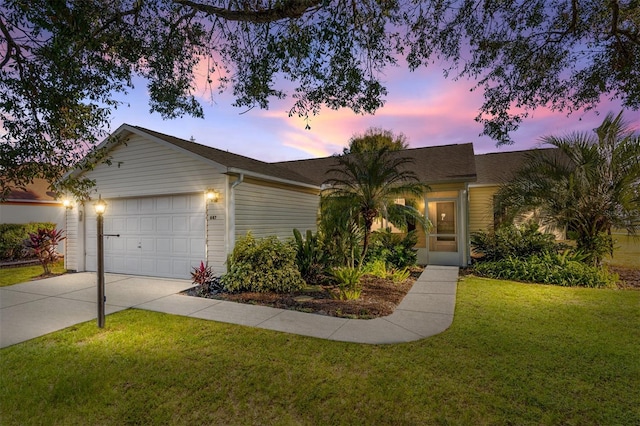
(589,184)
(365,185)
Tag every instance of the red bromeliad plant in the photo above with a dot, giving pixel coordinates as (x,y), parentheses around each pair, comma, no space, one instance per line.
(42,244)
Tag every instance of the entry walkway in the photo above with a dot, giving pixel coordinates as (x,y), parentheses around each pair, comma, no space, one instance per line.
(40,307)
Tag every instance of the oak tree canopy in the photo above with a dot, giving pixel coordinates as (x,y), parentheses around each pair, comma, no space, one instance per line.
(66,64)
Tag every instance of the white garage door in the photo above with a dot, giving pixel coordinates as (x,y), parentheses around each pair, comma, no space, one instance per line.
(158,236)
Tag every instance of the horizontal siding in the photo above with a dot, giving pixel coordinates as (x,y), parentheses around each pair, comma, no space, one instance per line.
(216,237)
(481,208)
(142,168)
(267,210)
(72,248)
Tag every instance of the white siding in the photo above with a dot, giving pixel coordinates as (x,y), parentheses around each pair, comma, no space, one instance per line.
(268,210)
(143,167)
(72,248)
(216,235)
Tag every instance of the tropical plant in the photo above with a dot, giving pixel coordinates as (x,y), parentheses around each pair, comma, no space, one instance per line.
(262,265)
(513,241)
(348,280)
(205,280)
(12,237)
(365,185)
(397,250)
(589,184)
(43,244)
(547,268)
(309,256)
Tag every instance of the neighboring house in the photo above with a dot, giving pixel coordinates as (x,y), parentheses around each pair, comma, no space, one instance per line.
(494,170)
(448,170)
(159,220)
(34,203)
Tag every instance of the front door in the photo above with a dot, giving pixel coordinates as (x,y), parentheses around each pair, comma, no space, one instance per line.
(444,241)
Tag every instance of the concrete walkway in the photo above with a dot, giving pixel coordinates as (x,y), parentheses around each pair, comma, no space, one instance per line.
(40,307)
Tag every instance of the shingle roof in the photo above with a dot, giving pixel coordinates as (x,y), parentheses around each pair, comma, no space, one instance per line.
(36,191)
(437,164)
(500,167)
(230,160)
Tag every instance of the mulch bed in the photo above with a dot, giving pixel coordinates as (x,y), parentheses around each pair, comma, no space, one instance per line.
(379,298)
(629,277)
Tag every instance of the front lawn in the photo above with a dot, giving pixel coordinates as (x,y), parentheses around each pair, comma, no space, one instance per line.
(515,354)
(20,274)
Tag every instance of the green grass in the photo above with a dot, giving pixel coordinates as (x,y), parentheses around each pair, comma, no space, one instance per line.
(626,251)
(515,354)
(15,275)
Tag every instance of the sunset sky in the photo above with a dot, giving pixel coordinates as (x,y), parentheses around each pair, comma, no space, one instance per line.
(429,109)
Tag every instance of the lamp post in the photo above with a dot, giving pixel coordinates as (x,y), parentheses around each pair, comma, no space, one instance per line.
(100,206)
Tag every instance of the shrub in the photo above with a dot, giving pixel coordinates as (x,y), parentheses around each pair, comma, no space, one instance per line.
(548,268)
(42,244)
(12,238)
(348,279)
(263,265)
(207,283)
(399,275)
(377,268)
(513,241)
(397,250)
(309,256)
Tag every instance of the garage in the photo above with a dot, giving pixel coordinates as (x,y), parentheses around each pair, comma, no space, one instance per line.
(173,203)
(160,236)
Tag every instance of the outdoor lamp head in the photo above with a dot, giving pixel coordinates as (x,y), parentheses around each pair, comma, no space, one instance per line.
(213,195)
(100,206)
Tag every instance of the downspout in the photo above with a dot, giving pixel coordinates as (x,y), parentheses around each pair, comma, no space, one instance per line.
(232,213)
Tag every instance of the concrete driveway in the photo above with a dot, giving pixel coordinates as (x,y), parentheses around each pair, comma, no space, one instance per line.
(39,307)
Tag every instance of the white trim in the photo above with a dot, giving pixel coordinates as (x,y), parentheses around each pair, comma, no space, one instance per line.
(272,178)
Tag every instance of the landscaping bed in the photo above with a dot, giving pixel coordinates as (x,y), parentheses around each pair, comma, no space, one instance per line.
(379,298)
(629,277)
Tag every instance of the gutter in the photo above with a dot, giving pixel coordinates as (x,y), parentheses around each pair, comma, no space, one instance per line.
(268,178)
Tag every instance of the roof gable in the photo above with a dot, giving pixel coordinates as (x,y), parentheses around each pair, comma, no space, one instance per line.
(226,161)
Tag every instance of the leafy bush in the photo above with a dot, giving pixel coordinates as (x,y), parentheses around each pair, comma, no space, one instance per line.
(513,241)
(397,250)
(309,256)
(348,279)
(42,244)
(263,265)
(548,268)
(377,268)
(12,238)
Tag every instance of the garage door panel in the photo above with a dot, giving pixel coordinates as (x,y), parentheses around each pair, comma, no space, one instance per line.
(195,245)
(180,223)
(147,224)
(180,203)
(163,245)
(180,245)
(133,224)
(163,224)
